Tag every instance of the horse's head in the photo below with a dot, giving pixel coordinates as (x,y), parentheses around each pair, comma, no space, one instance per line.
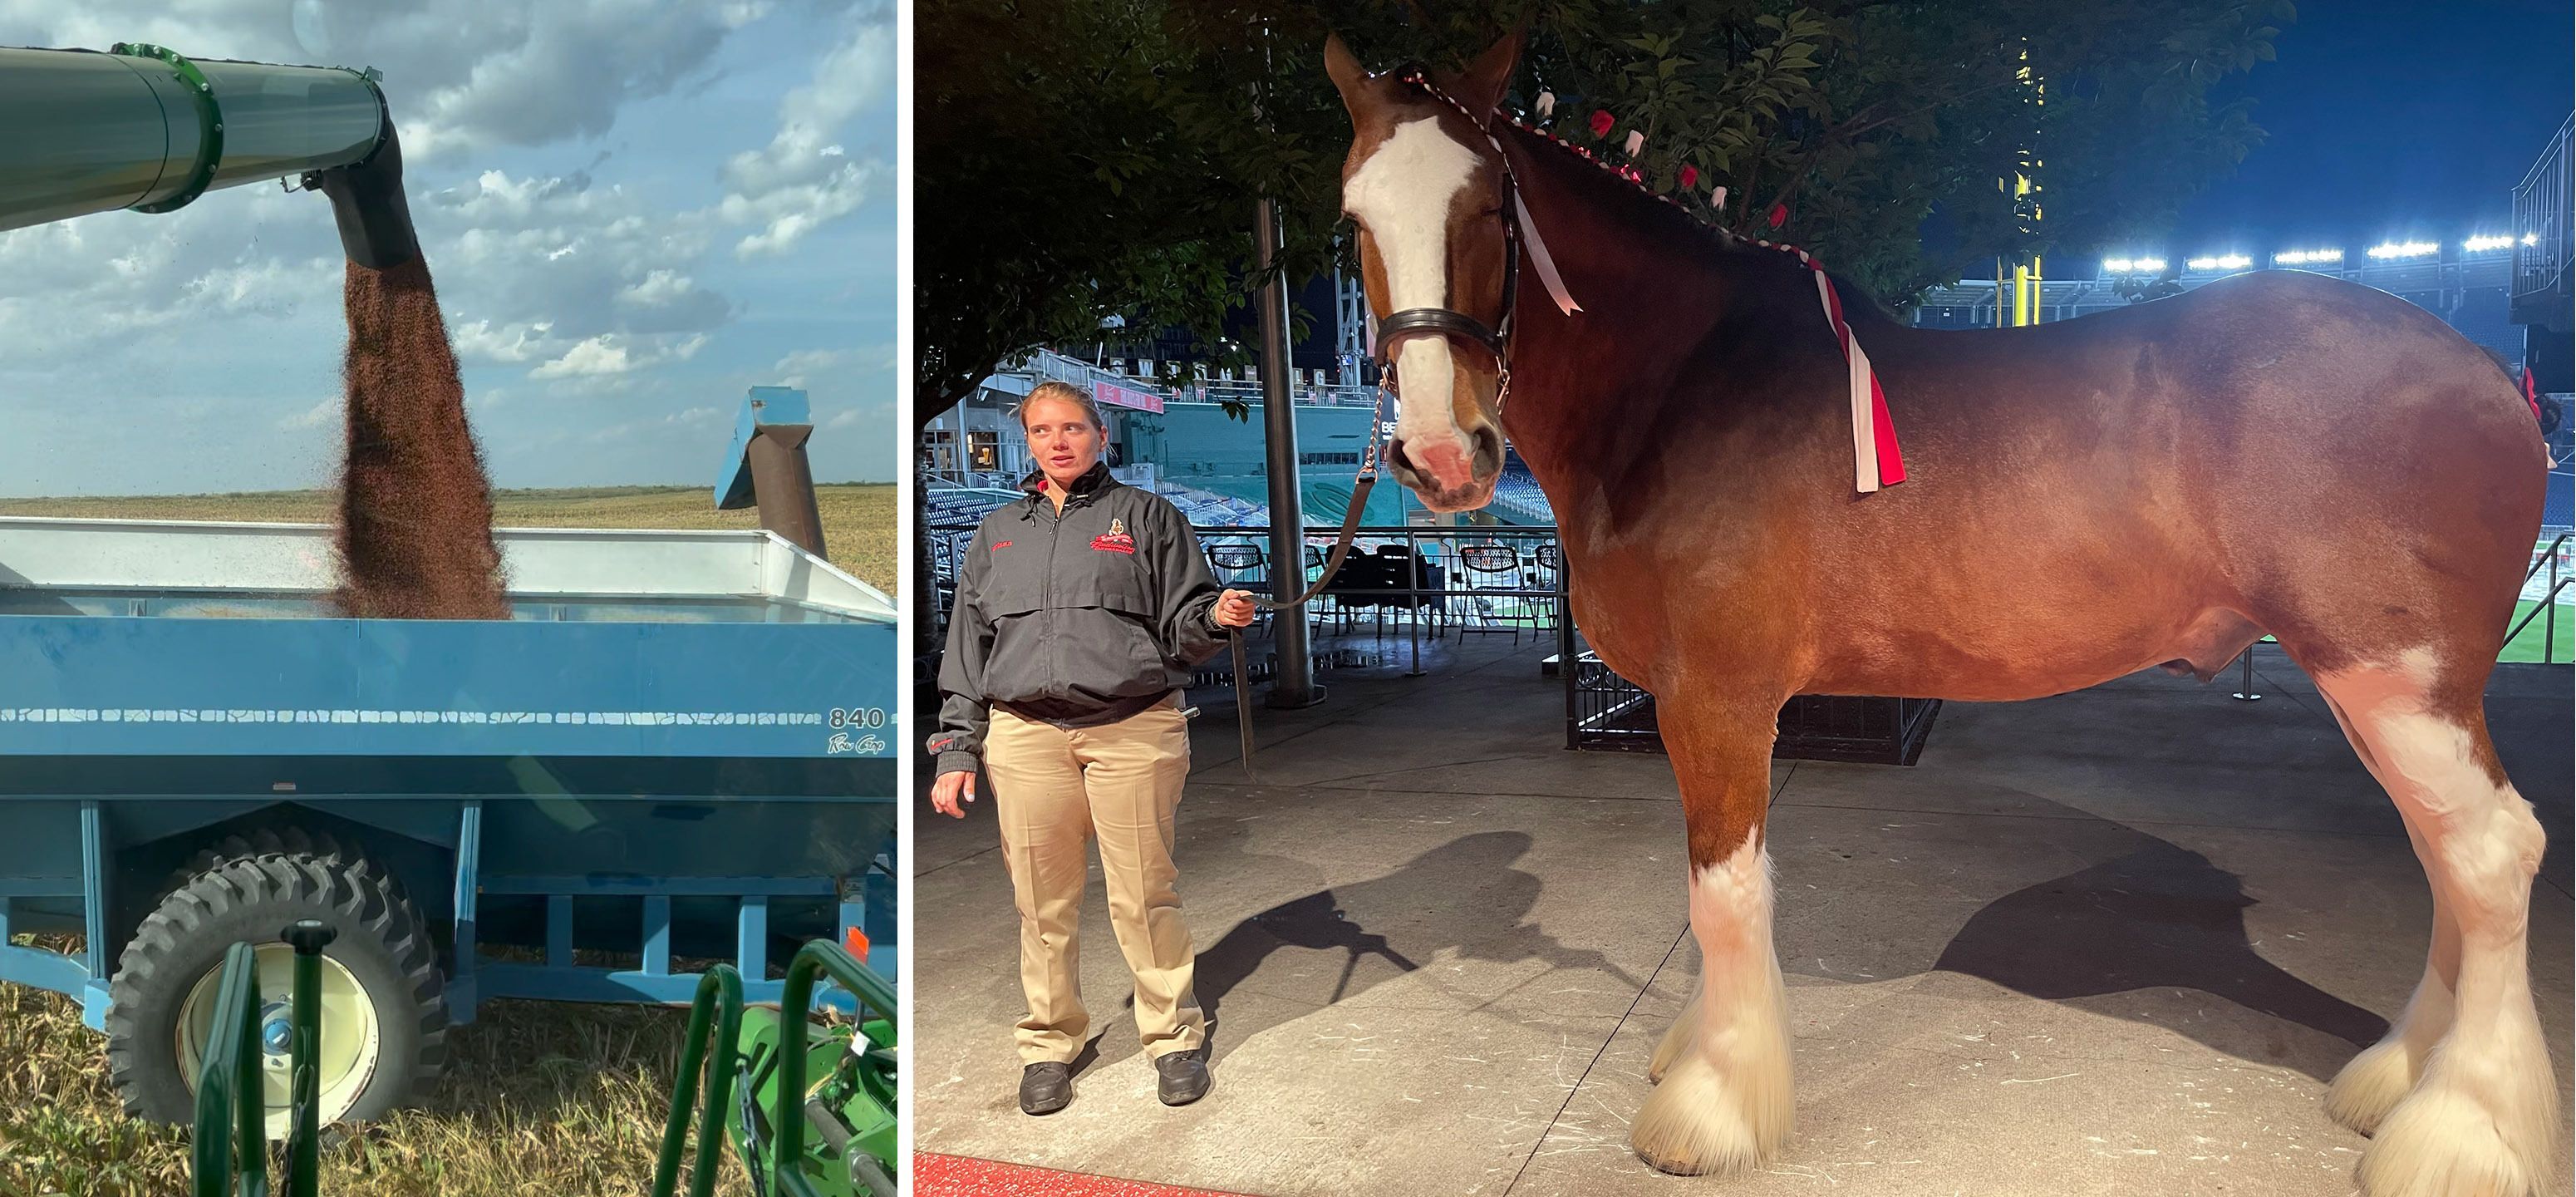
(1428,190)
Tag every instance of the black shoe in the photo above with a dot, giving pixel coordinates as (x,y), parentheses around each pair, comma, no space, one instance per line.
(1183,1078)
(1046,1088)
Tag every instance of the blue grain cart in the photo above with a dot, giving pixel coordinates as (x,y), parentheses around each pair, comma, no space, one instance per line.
(678,750)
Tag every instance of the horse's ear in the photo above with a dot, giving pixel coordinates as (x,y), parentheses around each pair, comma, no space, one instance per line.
(1349,77)
(1482,86)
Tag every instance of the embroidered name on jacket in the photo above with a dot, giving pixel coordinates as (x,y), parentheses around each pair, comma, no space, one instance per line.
(1116,539)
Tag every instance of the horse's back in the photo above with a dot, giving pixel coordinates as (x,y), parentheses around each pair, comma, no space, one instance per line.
(2290,447)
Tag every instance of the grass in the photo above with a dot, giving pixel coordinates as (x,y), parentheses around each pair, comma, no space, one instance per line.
(858,518)
(539,1100)
(2527,646)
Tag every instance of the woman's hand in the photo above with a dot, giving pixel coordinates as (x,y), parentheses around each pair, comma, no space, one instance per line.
(1233,609)
(952,791)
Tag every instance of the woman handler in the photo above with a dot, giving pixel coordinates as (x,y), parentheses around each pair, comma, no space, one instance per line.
(1078,610)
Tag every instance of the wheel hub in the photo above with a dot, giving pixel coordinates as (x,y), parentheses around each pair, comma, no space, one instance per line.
(348,1054)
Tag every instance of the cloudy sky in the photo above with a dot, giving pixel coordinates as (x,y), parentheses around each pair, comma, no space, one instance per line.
(635,209)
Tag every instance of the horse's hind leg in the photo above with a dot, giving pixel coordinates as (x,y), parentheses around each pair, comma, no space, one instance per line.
(2376,1080)
(1724,1103)
(2483,1110)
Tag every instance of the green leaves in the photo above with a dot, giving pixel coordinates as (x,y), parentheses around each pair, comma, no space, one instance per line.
(1086,158)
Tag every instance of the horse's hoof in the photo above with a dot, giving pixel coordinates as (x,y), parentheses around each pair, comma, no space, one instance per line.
(1691,1126)
(2370,1085)
(2442,1142)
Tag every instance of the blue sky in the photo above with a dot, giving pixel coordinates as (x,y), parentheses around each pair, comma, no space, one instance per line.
(634,211)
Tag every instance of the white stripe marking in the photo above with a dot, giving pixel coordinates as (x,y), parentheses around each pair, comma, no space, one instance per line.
(1402,195)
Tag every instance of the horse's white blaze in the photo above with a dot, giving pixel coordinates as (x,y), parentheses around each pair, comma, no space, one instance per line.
(1725,1100)
(1402,195)
(2482,1114)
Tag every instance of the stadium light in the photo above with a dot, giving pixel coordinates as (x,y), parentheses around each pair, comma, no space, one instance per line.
(2133,265)
(2151,265)
(2531,238)
(2483,243)
(2405,249)
(2305,257)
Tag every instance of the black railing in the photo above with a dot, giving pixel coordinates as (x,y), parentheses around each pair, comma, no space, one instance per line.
(1477,580)
(2550,558)
(2540,224)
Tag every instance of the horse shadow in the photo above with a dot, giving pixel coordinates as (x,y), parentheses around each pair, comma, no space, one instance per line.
(2157,917)
(1460,901)
(2148,917)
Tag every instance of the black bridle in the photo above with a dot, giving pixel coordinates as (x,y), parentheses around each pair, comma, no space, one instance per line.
(1450,323)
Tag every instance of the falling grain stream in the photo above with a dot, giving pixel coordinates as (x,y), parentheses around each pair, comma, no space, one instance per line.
(415,538)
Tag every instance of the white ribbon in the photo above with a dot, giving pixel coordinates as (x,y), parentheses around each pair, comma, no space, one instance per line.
(1864,426)
(1545,265)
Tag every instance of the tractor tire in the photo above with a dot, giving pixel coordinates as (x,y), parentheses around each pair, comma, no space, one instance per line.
(250,889)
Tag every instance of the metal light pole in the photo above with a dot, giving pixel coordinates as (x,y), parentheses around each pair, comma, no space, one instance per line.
(1295,684)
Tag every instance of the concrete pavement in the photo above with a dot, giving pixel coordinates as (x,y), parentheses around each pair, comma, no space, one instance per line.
(2112,942)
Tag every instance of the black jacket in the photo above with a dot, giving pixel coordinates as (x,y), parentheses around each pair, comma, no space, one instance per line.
(1077,620)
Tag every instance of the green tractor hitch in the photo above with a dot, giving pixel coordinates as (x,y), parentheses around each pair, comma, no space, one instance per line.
(834,1137)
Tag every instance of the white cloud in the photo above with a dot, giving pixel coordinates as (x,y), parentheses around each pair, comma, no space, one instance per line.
(660,288)
(805,177)
(594,356)
(325,412)
(478,340)
(787,214)
(809,367)
(856,75)
(610,354)
(546,264)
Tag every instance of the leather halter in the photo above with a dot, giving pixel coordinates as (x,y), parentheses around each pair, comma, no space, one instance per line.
(1451,323)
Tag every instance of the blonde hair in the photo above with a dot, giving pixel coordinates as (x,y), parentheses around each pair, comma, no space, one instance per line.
(1066,392)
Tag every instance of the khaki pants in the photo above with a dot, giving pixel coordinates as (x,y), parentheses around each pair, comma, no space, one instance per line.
(1054,788)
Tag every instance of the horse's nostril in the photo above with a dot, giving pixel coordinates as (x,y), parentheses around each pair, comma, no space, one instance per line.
(1489,450)
(1395,454)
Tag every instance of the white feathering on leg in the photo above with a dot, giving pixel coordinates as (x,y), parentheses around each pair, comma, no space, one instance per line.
(2482,1117)
(1677,1039)
(1725,1103)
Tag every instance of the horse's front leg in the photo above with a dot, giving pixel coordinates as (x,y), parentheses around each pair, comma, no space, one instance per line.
(1723,1103)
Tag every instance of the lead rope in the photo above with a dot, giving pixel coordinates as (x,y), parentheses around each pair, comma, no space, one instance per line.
(1361,485)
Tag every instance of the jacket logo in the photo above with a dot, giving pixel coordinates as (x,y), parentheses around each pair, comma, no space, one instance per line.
(1000,545)
(1116,539)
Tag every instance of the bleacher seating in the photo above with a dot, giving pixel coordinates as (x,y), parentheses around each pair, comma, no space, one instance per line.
(1519,497)
(1207,509)
(963,505)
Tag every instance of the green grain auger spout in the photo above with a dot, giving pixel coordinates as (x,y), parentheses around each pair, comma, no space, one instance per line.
(147,128)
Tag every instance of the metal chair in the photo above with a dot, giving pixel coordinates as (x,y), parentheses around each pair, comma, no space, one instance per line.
(1547,565)
(1491,567)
